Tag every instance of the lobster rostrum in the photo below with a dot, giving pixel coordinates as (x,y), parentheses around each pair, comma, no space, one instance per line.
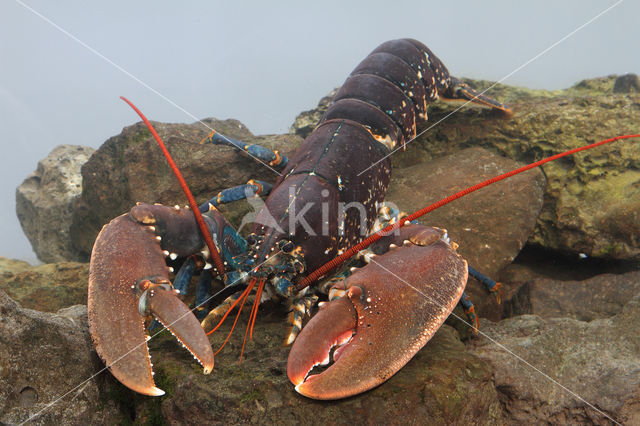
(378,315)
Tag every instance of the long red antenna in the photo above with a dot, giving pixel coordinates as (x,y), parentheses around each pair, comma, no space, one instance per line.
(243,298)
(334,263)
(215,255)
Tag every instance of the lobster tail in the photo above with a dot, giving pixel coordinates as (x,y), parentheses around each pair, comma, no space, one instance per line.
(377,109)
(400,78)
(396,82)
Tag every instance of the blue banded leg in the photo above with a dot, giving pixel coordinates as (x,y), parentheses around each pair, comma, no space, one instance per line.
(489,284)
(470,311)
(181,283)
(300,306)
(272,157)
(203,294)
(252,188)
(183,277)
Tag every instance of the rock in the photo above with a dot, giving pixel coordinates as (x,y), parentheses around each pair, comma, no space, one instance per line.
(627,83)
(47,287)
(48,359)
(599,297)
(491,225)
(306,121)
(443,383)
(591,204)
(535,262)
(597,360)
(130,167)
(593,199)
(45,201)
(9,267)
(592,207)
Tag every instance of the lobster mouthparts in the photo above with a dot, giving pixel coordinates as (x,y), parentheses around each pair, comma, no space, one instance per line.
(392,307)
(129,281)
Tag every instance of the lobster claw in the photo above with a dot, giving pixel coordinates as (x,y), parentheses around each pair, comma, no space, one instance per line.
(390,309)
(128,282)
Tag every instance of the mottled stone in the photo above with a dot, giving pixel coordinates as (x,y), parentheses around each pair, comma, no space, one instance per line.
(571,367)
(599,297)
(45,202)
(10,267)
(592,199)
(46,366)
(47,287)
(627,83)
(130,168)
(491,225)
(306,121)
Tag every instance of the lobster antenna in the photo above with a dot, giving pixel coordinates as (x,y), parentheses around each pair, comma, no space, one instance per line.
(334,263)
(252,317)
(242,299)
(215,255)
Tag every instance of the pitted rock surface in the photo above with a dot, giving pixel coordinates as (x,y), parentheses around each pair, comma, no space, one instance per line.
(598,360)
(130,168)
(490,225)
(42,357)
(46,199)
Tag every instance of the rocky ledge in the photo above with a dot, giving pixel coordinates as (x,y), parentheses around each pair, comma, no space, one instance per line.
(565,242)
(591,200)
(534,368)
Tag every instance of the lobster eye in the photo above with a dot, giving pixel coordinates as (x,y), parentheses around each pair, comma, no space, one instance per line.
(286,246)
(251,239)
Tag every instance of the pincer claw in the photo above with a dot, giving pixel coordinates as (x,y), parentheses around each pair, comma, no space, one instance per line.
(128,283)
(391,308)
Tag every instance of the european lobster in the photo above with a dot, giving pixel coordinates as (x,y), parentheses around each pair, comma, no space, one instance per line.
(371,327)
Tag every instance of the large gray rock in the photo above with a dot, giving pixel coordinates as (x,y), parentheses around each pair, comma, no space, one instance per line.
(46,368)
(442,384)
(130,168)
(599,361)
(490,225)
(599,297)
(46,199)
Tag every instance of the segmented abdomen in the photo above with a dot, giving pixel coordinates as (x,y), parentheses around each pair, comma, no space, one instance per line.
(376,109)
(397,81)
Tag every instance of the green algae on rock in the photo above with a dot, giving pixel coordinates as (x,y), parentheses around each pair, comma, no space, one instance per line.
(591,202)
(46,288)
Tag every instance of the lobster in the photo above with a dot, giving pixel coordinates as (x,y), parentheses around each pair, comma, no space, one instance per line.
(372,324)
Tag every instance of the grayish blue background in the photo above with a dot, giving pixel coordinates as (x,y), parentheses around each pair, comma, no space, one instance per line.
(259,62)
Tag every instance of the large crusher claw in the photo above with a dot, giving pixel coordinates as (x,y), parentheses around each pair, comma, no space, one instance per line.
(390,309)
(129,282)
